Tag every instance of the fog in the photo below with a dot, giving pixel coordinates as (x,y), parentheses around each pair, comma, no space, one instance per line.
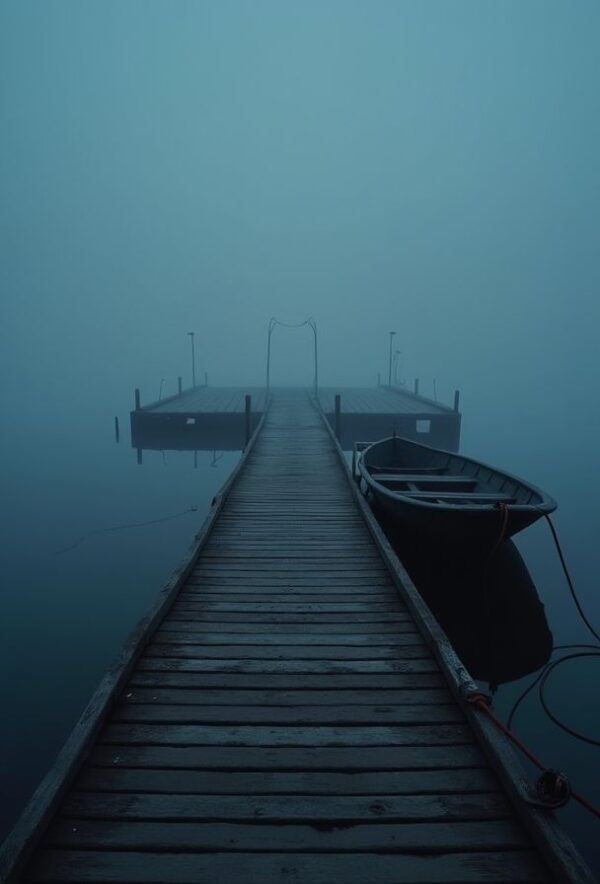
(428,168)
(424,167)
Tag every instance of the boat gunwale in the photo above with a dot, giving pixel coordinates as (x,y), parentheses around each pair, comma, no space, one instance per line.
(546,506)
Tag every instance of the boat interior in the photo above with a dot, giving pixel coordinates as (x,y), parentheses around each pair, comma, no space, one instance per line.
(435,485)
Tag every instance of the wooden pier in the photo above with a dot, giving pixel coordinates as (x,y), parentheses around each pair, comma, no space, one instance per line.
(289,711)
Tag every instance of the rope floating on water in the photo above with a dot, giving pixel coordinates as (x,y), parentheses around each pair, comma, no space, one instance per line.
(64,549)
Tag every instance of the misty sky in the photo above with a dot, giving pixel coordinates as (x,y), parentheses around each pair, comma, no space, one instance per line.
(428,167)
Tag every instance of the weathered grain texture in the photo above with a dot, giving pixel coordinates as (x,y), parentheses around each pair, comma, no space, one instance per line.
(125,867)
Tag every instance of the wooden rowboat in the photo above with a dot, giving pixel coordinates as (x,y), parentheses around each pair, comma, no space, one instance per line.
(451,497)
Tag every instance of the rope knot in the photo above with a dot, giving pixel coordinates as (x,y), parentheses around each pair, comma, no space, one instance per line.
(478,698)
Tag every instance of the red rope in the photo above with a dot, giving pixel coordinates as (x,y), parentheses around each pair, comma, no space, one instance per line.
(481,702)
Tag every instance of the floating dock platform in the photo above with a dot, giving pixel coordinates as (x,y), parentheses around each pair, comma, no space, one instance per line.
(223,418)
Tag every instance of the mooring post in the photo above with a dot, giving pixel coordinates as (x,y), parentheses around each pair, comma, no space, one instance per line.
(248,417)
(338,416)
(137,399)
(116,429)
(456,399)
(179,385)
(416,386)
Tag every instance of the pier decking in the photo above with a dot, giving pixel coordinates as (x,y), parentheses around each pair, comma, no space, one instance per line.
(287,719)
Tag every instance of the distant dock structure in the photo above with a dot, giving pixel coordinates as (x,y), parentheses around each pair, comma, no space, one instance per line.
(223,418)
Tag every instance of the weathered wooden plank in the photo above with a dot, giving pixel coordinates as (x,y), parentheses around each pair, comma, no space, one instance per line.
(278,808)
(229,680)
(279,735)
(278,698)
(322,758)
(265,618)
(289,607)
(290,568)
(419,713)
(339,590)
(283,596)
(288,667)
(276,639)
(122,867)
(200,627)
(180,782)
(404,647)
(208,836)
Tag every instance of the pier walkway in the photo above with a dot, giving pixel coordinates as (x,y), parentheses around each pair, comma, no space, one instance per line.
(286,721)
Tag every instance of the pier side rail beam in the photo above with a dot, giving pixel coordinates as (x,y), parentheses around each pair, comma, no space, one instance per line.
(556,848)
(31,825)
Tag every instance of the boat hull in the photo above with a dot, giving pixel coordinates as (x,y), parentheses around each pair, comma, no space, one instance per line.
(489,506)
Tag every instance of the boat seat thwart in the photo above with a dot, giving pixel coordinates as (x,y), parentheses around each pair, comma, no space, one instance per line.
(398,471)
(394,479)
(466,496)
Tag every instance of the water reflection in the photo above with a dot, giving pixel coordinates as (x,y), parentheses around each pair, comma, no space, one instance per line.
(488,605)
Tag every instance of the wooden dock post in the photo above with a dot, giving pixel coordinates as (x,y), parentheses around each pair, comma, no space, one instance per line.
(338,416)
(416,386)
(116,429)
(248,417)
(456,399)
(179,385)
(137,399)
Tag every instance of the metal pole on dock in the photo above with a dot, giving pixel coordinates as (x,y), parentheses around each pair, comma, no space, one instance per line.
(392,333)
(116,429)
(338,416)
(137,399)
(456,399)
(272,324)
(248,417)
(311,322)
(191,334)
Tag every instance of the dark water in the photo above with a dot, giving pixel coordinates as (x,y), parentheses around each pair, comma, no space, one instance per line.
(64,615)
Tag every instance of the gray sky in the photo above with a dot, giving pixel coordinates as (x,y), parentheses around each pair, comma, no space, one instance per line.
(428,167)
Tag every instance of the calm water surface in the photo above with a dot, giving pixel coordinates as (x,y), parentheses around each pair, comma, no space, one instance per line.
(64,615)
